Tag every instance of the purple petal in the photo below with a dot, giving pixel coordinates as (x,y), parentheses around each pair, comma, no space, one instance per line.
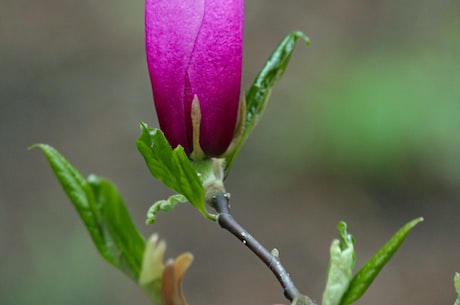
(171,29)
(215,73)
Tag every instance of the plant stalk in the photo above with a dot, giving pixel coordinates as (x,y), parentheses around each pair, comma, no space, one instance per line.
(220,203)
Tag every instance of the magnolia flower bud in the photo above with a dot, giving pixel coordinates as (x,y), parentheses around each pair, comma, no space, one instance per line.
(194,49)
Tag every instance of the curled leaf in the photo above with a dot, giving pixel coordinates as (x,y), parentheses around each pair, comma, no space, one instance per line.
(164,206)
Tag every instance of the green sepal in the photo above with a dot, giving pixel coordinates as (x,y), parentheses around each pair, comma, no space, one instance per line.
(259,93)
(164,206)
(457,287)
(364,278)
(172,167)
(341,265)
(103,212)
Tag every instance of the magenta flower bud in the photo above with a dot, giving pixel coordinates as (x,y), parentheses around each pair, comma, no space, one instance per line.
(194,48)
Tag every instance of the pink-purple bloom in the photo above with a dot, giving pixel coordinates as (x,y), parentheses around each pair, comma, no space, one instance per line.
(194,48)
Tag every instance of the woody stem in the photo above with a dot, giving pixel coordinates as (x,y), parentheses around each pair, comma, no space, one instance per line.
(220,203)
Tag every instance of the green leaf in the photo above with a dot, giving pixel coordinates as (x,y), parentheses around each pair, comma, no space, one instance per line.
(103,212)
(164,206)
(172,167)
(364,278)
(122,241)
(342,262)
(457,287)
(260,91)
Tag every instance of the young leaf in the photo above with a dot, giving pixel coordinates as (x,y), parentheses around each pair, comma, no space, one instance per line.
(259,93)
(364,278)
(457,287)
(152,269)
(171,166)
(341,266)
(164,206)
(103,213)
(346,240)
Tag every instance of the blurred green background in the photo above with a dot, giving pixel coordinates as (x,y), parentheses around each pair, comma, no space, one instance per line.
(364,127)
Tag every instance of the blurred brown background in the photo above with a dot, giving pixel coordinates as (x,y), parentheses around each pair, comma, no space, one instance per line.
(364,127)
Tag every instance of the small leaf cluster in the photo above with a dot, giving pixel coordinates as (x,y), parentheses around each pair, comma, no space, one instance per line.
(342,288)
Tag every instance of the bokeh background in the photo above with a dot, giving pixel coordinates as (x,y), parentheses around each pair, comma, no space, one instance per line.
(364,127)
